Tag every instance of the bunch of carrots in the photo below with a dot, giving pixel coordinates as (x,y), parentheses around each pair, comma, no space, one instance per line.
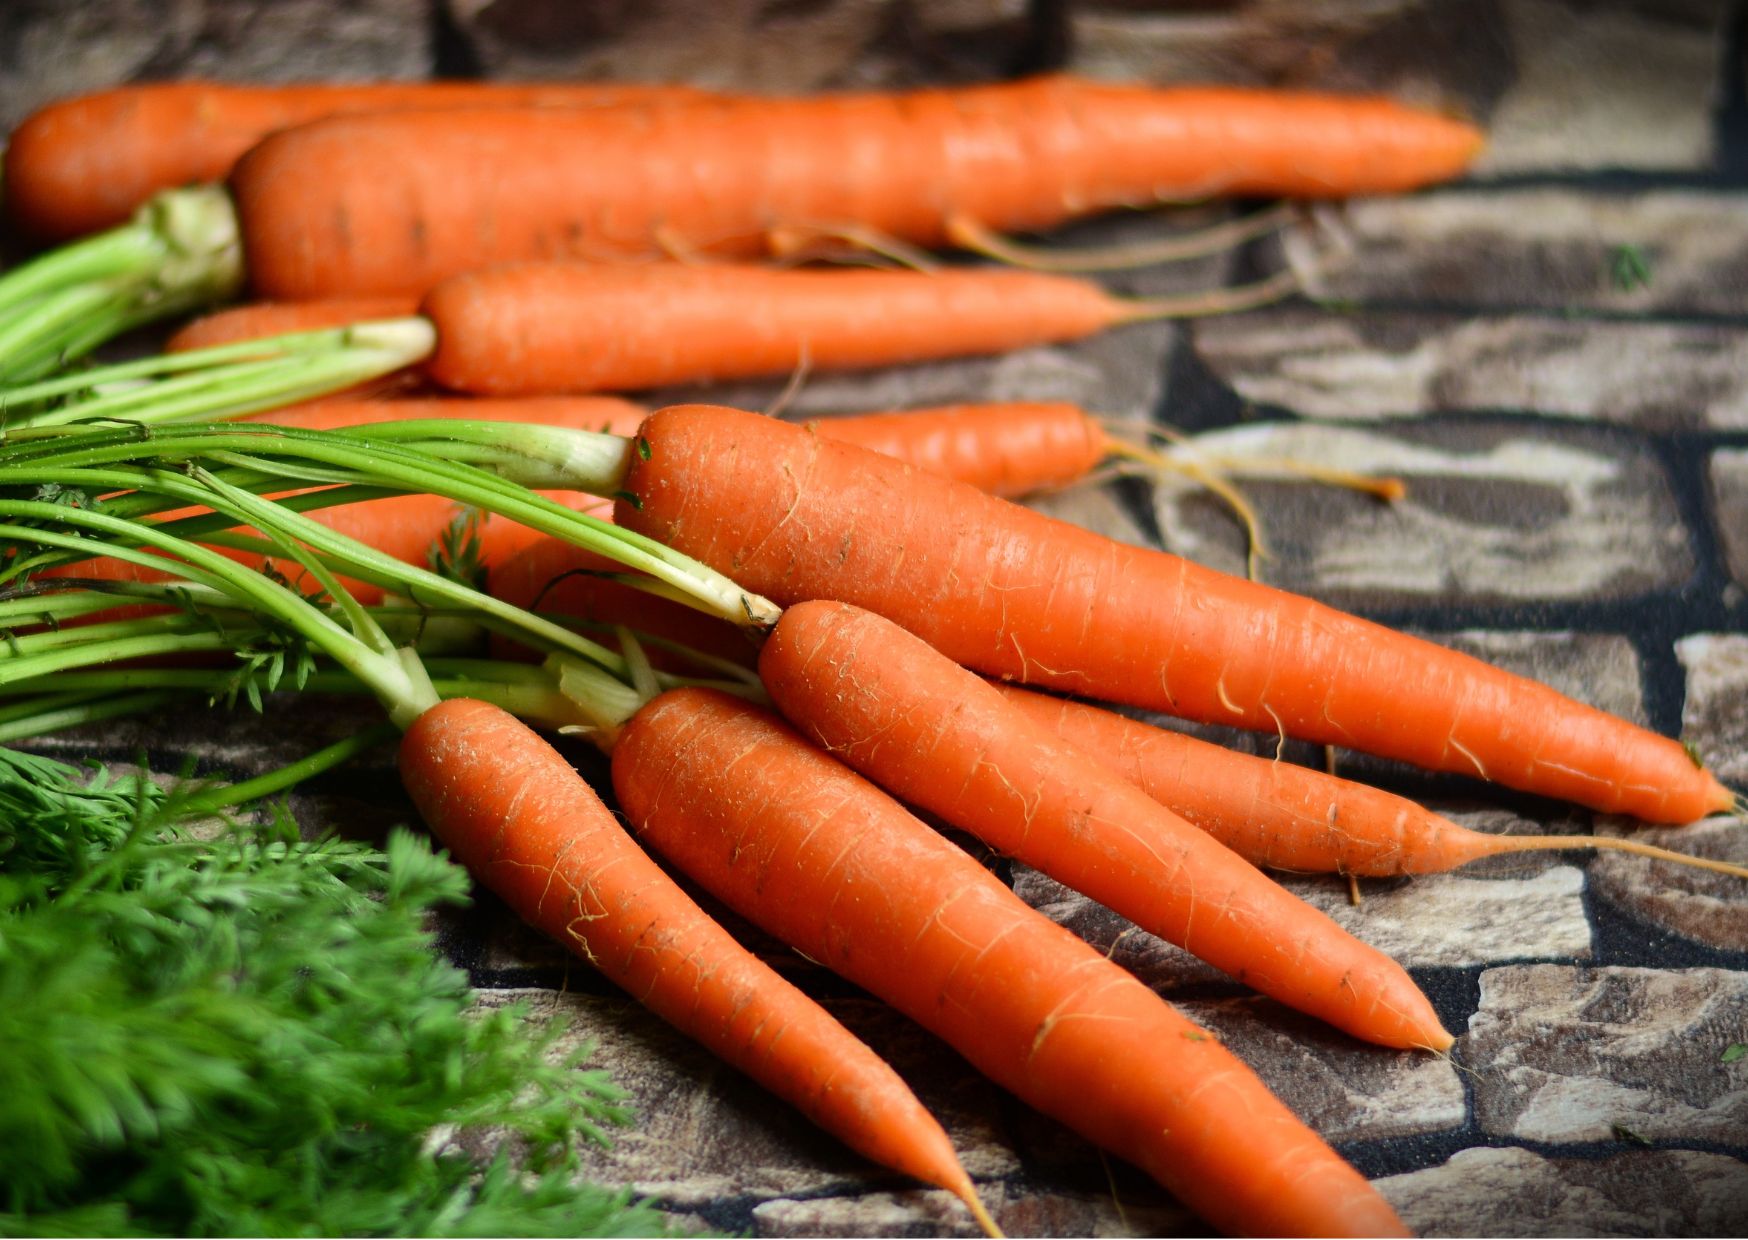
(782,634)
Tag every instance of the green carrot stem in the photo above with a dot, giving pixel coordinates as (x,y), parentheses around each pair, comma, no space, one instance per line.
(225,796)
(76,714)
(390,676)
(414,471)
(225,381)
(179,251)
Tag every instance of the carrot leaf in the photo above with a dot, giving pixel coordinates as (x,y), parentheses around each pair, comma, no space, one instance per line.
(250,1033)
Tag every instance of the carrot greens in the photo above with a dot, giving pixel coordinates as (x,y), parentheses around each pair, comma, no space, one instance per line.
(249,1033)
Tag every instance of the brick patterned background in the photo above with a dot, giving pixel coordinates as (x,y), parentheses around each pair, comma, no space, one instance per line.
(1576,449)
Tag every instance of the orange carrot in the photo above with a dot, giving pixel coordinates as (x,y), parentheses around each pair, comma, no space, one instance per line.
(1007,448)
(933,734)
(339,207)
(258,320)
(1018,595)
(512,810)
(576,327)
(819,857)
(86,163)
(1292,817)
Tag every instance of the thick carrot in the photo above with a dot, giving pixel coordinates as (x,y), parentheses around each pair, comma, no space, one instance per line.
(577,327)
(260,319)
(513,811)
(888,705)
(86,163)
(338,207)
(1292,817)
(816,855)
(1018,595)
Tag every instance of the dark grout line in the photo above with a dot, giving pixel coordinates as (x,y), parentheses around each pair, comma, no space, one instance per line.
(1730,123)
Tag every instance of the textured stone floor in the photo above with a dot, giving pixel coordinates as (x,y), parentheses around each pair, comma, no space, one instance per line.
(1552,355)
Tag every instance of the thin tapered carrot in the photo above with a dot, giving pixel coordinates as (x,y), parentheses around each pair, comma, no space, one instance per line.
(513,811)
(327,209)
(1291,817)
(85,163)
(1018,595)
(536,328)
(888,705)
(1007,448)
(821,858)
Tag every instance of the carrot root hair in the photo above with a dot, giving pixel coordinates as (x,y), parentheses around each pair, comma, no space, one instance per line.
(796,243)
(1210,302)
(970,235)
(1610,843)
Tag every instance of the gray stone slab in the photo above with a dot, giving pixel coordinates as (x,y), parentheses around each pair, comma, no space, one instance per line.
(1422,52)
(1563,1055)
(1371,365)
(1704,906)
(1539,247)
(1558,85)
(744,44)
(1348,1091)
(702,1132)
(1612,85)
(49,50)
(1715,717)
(1493,513)
(1518,1192)
(1016,1211)
(1434,920)
(1728,474)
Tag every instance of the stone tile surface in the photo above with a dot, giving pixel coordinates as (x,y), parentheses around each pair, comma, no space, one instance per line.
(1728,475)
(1715,718)
(1559,85)
(1493,512)
(1375,365)
(1444,920)
(50,49)
(1551,248)
(746,45)
(1518,1192)
(1704,906)
(1351,1092)
(1562,1054)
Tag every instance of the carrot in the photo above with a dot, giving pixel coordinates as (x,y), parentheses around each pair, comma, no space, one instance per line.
(1291,817)
(1006,448)
(935,735)
(258,320)
(338,207)
(572,327)
(86,163)
(1018,595)
(816,855)
(512,810)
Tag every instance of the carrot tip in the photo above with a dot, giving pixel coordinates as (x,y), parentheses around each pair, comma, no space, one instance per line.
(968,1194)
